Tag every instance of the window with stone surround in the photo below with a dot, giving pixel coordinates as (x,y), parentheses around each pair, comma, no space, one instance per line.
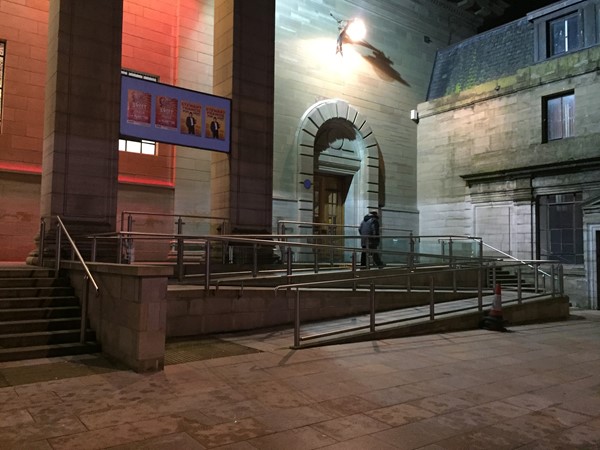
(2,50)
(564,27)
(558,116)
(141,146)
(563,34)
(560,227)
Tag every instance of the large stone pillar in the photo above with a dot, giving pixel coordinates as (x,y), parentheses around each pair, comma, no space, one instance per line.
(81,124)
(244,48)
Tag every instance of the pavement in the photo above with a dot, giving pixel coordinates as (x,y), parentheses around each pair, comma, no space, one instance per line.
(534,387)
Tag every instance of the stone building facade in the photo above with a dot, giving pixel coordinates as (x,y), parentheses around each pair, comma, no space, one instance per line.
(306,120)
(509,142)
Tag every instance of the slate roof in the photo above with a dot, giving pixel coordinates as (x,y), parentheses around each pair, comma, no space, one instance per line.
(493,54)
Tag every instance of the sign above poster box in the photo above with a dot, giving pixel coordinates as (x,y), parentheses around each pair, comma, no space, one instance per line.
(162,113)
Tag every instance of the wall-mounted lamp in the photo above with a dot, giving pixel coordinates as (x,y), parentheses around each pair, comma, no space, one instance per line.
(414,115)
(352,30)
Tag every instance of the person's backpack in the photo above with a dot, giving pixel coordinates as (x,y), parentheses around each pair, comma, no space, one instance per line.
(366,227)
(373,228)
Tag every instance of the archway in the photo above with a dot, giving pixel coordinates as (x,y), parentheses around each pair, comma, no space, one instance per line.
(338,166)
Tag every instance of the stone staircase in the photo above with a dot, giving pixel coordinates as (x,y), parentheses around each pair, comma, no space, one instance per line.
(508,279)
(40,316)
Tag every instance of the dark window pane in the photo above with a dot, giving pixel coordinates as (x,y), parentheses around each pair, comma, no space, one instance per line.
(568,115)
(572,32)
(557,36)
(563,35)
(579,241)
(560,114)
(560,230)
(554,119)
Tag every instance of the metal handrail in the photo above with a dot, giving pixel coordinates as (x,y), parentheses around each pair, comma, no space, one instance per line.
(371,280)
(519,260)
(156,214)
(88,277)
(281,224)
(262,240)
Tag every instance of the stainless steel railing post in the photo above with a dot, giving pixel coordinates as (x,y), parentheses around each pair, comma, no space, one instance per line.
(553,279)
(454,281)
(180,244)
(561,279)
(119,248)
(353,270)
(130,242)
(207,265)
(58,245)
(431,299)
(480,288)
(42,241)
(288,254)
(411,256)
(84,306)
(372,308)
(519,287)
(297,319)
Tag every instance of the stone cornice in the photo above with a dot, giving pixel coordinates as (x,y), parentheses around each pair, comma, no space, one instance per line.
(533,171)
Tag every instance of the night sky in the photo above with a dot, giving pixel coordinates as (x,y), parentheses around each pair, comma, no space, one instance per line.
(518,9)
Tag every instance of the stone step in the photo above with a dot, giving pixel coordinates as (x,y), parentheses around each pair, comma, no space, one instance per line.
(35,291)
(48,351)
(39,313)
(40,316)
(38,302)
(34,325)
(26,272)
(7,283)
(43,338)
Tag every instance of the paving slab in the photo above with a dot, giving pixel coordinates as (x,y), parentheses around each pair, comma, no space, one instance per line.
(536,387)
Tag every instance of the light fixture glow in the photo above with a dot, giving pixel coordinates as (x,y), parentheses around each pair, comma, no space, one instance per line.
(349,30)
(356,30)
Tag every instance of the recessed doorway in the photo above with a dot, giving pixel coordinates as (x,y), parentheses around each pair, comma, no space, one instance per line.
(330,193)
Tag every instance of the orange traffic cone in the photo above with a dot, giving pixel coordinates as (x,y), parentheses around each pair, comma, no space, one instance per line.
(494,320)
(496,310)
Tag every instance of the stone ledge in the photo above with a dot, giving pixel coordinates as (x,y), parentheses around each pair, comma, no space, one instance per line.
(122,269)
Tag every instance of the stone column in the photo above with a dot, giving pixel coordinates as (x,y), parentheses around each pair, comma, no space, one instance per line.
(244,49)
(81,124)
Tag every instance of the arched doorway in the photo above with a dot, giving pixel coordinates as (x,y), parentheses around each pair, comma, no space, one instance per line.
(339,159)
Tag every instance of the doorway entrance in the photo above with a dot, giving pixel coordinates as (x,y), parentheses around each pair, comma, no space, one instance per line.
(330,192)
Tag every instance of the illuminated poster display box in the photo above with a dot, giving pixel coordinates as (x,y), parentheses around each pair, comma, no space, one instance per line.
(162,113)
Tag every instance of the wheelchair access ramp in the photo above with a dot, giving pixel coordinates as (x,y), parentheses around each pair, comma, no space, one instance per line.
(450,316)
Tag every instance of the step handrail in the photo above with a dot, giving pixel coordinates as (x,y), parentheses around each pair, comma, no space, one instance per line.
(517,259)
(88,277)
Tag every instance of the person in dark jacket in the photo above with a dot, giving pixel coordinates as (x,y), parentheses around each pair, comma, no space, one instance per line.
(369,232)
